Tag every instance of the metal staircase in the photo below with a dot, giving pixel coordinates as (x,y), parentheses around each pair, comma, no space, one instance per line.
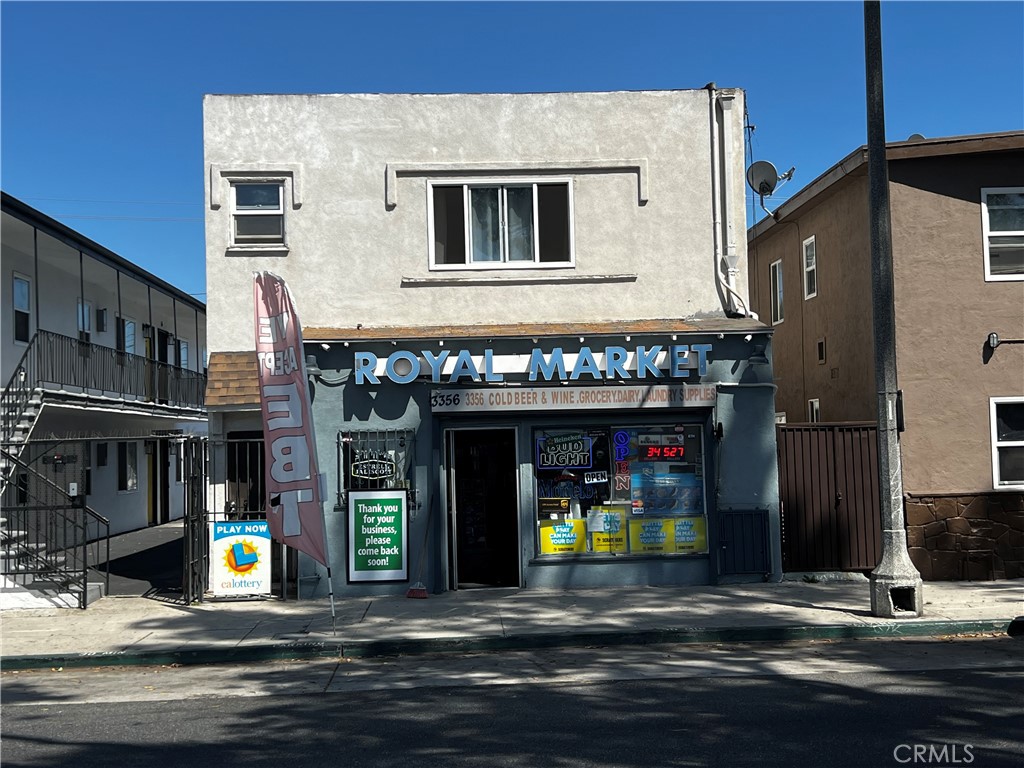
(47,538)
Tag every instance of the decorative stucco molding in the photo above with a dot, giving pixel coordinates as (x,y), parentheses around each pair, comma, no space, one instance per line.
(393,170)
(220,172)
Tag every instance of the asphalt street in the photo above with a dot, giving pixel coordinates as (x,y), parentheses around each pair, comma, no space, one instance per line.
(847,704)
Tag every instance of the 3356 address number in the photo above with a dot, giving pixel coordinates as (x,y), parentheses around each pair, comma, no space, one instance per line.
(438,400)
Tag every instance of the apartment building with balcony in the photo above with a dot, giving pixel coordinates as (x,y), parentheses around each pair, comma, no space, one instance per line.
(103,367)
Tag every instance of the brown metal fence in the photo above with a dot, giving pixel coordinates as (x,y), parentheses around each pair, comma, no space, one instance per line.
(828,486)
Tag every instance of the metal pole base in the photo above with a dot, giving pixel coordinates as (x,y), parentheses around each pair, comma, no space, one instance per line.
(897,591)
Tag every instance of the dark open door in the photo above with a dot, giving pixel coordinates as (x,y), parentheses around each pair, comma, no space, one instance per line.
(484,508)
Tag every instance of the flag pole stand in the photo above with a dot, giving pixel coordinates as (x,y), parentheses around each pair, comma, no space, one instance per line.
(330,594)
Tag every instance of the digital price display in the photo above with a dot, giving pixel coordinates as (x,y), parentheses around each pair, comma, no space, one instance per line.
(660,452)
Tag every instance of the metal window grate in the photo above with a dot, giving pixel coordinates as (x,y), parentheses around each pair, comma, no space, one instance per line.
(371,460)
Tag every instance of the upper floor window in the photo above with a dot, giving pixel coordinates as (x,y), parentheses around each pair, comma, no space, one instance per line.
(775,272)
(810,269)
(22,305)
(1002,218)
(1007,419)
(814,411)
(125,335)
(501,225)
(258,213)
(182,353)
(84,320)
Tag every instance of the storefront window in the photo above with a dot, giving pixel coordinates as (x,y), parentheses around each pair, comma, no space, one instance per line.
(620,491)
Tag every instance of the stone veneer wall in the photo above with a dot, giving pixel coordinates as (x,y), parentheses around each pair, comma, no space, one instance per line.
(967,537)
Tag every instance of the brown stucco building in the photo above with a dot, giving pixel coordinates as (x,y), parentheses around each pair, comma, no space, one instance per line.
(957,207)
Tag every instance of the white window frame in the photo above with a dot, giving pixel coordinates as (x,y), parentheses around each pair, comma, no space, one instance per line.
(501,183)
(997,483)
(84,320)
(131,484)
(814,410)
(776,288)
(15,277)
(124,321)
(246,212)
(987,232)
(182,353)
(812,269)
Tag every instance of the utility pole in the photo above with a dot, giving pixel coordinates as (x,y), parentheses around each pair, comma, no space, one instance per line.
(896,587)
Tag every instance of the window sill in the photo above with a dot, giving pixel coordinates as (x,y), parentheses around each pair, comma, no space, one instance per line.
(625,557)
(509,278)
(256,250)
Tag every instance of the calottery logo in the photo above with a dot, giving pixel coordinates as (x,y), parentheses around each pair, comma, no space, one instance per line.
(241,557)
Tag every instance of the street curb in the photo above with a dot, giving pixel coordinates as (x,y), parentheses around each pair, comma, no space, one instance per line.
(418,646)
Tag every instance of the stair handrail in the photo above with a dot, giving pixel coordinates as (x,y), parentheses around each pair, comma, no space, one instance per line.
(18,391)
(102,523)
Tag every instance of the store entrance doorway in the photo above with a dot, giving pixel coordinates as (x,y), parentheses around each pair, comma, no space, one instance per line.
(483,508)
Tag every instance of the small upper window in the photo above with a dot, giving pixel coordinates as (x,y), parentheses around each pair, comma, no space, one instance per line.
(810,269)
(814,411)
(492,225)
(775,272)
(182,353)
(258,214)
(22,305)
(1002,218)
(1007,419)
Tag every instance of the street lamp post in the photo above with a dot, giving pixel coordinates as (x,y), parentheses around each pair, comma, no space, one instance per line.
(896,587)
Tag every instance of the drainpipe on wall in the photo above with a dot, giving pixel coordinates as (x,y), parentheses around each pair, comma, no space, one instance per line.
(734,304)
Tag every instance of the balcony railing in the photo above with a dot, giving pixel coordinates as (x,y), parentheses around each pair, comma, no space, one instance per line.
(66,363)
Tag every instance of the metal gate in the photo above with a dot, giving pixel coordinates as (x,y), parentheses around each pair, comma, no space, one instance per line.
(828,486)
(196,566)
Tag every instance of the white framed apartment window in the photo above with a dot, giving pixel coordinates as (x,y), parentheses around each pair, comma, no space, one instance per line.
(182,353)
(813,411)
(775,275)
(84,320)
(125,335)
(1007,420)
(257,213)
(1002,221)
(21,305)
(127,466)
(500,224)
(810,268)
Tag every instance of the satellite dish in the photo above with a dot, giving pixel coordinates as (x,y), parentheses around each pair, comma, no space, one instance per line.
(915,137)
(762,177)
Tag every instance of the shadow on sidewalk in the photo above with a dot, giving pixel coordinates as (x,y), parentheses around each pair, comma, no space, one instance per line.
(147,562)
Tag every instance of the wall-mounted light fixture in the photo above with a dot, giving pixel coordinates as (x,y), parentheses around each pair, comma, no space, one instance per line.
(994,340)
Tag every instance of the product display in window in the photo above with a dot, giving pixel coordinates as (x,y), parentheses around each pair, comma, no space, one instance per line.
(621,491)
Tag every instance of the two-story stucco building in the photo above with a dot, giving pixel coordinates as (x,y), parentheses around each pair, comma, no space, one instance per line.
(526,332)
(957,208)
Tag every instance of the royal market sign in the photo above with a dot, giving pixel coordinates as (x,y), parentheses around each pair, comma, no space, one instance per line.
(612,363)
(572,398)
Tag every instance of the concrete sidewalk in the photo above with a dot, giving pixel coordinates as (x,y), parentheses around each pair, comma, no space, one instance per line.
(135,630)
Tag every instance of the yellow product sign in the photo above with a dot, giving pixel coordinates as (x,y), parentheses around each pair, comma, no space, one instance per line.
(559,537)
(607,525)
(652,535)
(691,535)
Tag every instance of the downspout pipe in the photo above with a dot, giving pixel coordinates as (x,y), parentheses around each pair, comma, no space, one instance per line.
(733,303)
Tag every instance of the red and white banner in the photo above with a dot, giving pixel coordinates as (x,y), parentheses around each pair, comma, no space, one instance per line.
(294,493)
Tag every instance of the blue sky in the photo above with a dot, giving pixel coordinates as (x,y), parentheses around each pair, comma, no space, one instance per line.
(101,121)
